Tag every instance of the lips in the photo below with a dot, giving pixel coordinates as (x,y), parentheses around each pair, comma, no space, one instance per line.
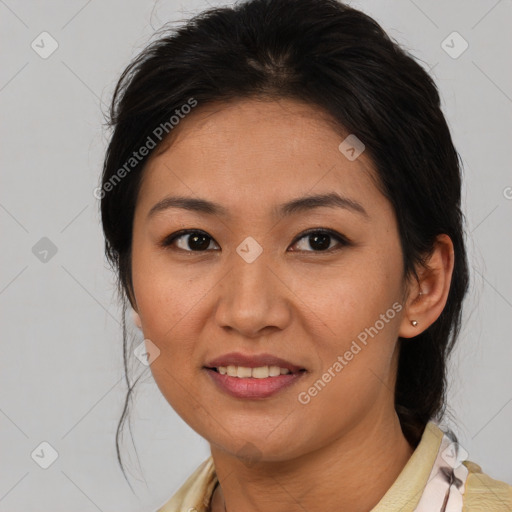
(252,361)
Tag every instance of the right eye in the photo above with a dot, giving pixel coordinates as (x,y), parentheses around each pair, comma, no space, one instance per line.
(189,240)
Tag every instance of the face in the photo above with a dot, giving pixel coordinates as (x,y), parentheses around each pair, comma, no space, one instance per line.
(318,284)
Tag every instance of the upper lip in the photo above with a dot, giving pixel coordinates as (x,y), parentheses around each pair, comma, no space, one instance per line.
(252,361)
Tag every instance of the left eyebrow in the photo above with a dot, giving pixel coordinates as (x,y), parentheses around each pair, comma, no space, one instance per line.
(330,200)
(300,204)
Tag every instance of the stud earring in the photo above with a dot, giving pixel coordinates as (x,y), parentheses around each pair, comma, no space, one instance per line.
(414,323)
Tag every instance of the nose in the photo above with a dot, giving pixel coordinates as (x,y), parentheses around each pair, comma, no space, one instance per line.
(252,297)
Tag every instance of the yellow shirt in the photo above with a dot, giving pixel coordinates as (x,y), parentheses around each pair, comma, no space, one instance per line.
(422,485)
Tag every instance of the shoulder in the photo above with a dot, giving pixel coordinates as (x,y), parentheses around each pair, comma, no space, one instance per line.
(483,493)
(195,494)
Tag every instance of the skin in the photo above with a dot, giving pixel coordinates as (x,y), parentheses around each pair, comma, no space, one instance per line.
(294,301)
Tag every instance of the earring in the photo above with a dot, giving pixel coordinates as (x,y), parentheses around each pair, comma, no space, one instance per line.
(414,323)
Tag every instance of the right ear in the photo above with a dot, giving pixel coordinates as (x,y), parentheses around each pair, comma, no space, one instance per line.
(136,319)
(135,315)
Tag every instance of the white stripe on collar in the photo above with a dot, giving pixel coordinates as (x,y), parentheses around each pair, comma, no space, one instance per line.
(447,481)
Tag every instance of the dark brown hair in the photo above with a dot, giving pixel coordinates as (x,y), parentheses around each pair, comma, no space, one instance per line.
(340,60)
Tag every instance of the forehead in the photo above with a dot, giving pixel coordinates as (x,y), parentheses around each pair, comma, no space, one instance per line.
(257,152)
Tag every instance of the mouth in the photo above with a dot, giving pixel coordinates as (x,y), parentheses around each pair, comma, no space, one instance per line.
(252,376)
(252,387)
(259,372)
(264,365)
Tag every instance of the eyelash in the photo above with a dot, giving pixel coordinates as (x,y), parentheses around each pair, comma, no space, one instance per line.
(341,239)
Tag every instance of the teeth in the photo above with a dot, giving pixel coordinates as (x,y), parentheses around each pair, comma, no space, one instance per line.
(242,372)
(262,372)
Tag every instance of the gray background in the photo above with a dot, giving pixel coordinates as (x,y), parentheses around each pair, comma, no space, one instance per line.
(62,376)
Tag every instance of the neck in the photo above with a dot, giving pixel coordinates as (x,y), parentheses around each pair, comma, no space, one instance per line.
(351,474)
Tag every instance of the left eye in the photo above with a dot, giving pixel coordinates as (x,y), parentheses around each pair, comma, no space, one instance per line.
(320,240)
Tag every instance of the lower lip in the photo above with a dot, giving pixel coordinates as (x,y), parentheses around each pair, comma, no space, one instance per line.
(251,387)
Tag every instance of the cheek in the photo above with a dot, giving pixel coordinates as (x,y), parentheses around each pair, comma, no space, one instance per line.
(163,306)
(166,294)
(171,305)
(355,365)
(360,309)
(354,295)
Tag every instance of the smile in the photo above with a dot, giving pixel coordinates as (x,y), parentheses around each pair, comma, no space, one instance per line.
(245,384)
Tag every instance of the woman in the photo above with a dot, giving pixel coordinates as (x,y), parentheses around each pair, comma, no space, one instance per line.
(281,201)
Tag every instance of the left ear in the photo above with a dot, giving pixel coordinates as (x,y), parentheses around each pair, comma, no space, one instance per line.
(428,295)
